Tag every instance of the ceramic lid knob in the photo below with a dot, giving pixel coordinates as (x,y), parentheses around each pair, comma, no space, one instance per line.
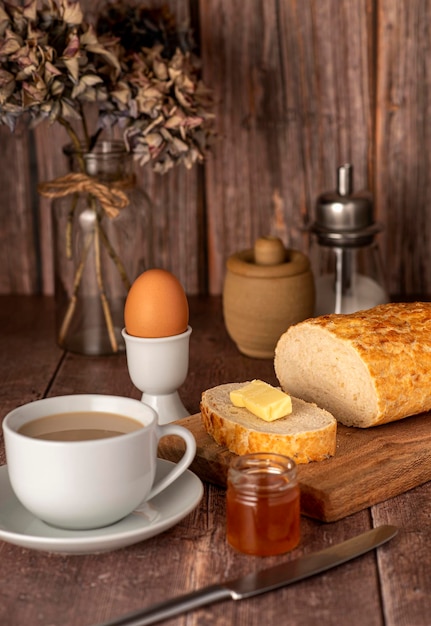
(269,251)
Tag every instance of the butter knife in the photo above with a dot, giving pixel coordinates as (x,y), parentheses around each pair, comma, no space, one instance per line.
(262,581)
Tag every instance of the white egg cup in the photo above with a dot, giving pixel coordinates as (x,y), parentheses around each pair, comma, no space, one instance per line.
(158,367)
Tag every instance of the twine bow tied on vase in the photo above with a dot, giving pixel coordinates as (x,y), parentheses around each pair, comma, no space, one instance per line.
(111,200)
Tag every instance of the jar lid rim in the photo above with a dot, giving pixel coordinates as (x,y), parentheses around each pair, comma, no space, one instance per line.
(106,147)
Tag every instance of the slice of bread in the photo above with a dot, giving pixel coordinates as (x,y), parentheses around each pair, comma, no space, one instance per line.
(307,434)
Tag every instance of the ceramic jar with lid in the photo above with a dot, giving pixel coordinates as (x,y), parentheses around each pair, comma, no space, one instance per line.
(267,289)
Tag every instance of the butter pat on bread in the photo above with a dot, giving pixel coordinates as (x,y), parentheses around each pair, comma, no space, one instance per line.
(307,434)
(263,400)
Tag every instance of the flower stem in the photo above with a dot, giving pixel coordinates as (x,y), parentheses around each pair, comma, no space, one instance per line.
(76,142)
(102,294)
(76,282)
(115,258)
(84,125)
(69,226)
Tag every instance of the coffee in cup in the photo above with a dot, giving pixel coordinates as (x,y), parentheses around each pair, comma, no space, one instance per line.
(82,426)
(100,470)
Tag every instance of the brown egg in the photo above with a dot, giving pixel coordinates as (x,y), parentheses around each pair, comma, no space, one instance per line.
(156,305)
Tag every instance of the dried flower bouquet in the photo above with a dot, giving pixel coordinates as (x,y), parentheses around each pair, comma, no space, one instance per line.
(134,65)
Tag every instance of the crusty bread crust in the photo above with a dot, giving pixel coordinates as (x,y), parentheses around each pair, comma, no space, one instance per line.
(366,368)
(308,434)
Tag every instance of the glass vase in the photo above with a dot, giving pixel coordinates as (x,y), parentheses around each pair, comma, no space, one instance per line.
(99,249)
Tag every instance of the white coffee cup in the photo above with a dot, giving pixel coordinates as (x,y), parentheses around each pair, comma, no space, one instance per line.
(92,483)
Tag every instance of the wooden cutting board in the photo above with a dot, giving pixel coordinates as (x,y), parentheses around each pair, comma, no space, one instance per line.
(370,465)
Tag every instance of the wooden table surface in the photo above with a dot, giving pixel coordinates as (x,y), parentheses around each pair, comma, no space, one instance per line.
(390,586)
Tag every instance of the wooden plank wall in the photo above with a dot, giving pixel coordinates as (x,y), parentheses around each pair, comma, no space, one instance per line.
(301,86)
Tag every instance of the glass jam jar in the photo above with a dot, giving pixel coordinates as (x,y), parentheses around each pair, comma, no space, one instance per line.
(263,504)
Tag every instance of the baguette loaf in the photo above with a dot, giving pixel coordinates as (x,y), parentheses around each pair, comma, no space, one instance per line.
(307,434)
(366,368)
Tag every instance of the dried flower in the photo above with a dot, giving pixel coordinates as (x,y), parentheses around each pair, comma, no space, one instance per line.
(141,73)
(134,64)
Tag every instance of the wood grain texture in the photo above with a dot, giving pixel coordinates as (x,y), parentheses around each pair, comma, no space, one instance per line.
(407,592)
(291,83)
(387,588)
(48,142)
(403,183)
(300,87)
(19,270)
(370,465)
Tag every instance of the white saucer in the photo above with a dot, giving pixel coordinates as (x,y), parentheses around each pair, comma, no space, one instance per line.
(19,526)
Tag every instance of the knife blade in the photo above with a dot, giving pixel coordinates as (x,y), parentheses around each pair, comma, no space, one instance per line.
(261,581)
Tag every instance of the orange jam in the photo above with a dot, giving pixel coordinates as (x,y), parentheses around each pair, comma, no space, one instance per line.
(262,504)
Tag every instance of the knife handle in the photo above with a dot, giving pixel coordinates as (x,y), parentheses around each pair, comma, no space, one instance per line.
(170,608)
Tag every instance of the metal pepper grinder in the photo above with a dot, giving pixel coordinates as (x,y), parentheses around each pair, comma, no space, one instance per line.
(348,271)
